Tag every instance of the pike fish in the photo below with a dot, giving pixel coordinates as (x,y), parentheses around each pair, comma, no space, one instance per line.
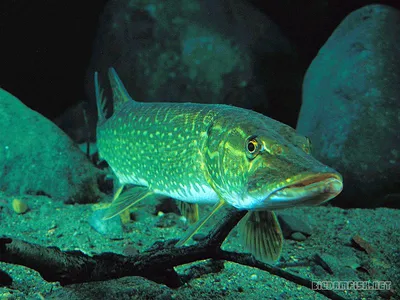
(210,154)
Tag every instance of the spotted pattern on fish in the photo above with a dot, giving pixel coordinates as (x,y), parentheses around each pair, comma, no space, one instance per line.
(159,145)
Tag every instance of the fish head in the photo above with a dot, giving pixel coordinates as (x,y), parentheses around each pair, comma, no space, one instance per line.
(265,165)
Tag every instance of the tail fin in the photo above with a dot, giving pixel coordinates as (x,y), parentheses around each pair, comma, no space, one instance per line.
(100,99)
(120,94)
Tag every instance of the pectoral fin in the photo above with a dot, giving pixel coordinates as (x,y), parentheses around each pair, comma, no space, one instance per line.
(189,210)
(262,235)
(192,230)
(123,201)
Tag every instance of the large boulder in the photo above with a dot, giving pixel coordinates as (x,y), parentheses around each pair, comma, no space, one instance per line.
(36,157)
(351,105)
(196,51)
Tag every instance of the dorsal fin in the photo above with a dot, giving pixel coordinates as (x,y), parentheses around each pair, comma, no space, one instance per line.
(120,93)
(100,99)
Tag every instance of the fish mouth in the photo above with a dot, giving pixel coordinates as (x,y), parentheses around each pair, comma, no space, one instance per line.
(309,190)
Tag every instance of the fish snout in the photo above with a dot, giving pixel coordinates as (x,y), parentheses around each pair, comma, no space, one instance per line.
(306,190)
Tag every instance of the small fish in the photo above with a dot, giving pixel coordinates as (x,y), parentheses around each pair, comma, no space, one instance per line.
(210,154)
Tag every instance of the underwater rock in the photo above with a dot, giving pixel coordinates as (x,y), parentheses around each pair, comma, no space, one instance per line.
(19,206)
(36,157)
(298,236)
(351,107)
(290,225)
(111,228)
(196,51)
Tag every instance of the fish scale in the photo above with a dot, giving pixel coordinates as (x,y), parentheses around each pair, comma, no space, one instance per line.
(168,143)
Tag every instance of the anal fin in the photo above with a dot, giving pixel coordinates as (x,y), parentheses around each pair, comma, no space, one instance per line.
(189,210)
(262,235)
(192,230)
(122,202)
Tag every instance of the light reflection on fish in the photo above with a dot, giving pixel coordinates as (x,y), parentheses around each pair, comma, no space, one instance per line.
(211,154)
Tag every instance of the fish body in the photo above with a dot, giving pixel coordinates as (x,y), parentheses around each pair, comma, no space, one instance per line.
(159,145)
(211,153)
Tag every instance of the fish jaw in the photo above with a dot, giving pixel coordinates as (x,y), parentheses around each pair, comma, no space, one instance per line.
(304,190)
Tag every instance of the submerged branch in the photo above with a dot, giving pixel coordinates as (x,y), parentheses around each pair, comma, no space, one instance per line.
(156,264)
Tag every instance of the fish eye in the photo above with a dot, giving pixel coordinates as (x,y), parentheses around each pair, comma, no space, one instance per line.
(252,147)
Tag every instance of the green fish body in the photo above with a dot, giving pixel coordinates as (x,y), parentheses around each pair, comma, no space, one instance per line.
(215,154)
(158,145)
